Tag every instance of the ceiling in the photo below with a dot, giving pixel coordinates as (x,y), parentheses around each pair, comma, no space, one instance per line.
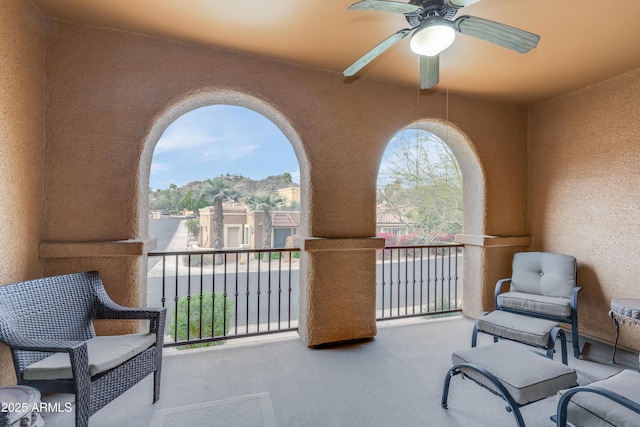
(582,42)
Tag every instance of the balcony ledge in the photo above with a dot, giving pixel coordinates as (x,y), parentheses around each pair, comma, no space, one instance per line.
(111,248)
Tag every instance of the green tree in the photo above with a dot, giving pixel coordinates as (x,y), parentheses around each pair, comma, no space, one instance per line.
(265,203)
(286,177)
(422,183)
(166,200)
(175,197)
(158,200)
(193,227)
(191,202)
(294,206)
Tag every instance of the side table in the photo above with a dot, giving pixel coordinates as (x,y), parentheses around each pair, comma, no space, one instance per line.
(20,407)
(627,312)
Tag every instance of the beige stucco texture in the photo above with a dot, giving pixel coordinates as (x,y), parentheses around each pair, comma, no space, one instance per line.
(110,94)
(22,57)
(81,109)
(22,53)
(584,193)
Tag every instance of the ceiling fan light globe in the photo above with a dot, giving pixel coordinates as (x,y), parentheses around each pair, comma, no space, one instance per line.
(432,39)
(463,3)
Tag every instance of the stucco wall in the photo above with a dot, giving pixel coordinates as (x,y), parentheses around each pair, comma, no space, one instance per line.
(22,57)
(584,198)
(109,93)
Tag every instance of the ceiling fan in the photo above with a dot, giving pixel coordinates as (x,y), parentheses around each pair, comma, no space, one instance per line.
(434,30)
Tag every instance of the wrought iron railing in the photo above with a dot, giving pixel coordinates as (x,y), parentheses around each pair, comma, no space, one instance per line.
(213,296)
(224,294)
(418,281)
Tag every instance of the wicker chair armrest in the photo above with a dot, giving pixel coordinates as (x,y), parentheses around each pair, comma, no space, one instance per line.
(498,291)
(78,354)
(44,345)
(155,315)
(107,309)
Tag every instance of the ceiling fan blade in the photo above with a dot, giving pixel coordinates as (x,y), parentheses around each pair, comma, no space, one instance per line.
(386,6)
(373,53)
(503,35)
(429,71)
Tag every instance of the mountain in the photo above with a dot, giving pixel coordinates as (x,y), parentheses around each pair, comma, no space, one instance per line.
(244,185)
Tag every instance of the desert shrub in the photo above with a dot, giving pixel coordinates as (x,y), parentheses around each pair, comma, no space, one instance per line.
(211,307)
(196,260)
(264,256)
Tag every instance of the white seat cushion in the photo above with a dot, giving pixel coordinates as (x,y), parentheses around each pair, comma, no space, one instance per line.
(527,376)
(589,409)
(105,352)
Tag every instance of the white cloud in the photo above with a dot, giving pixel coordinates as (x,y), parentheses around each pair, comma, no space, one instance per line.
(160,167)
(185,136)
(228,153)
(236,152)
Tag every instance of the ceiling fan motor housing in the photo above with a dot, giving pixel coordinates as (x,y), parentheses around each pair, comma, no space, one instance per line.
(431,8)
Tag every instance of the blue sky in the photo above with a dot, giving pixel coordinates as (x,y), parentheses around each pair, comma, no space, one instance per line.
(221,139)
(433,145)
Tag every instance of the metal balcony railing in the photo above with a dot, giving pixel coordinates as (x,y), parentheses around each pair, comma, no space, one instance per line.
(213,296)
(418,281)
(224,294)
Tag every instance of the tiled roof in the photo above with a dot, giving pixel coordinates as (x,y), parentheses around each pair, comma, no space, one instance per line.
(390,218)
(280,220)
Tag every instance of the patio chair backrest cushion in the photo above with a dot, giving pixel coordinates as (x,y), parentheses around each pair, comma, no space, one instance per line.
(543,273)
(59,308)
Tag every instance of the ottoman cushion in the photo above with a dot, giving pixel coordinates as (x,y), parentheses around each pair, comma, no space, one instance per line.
(527,376)
(515,327)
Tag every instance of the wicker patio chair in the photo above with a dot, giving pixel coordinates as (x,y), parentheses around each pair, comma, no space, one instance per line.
(47,324)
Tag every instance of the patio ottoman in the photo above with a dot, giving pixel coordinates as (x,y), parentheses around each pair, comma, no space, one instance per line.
(517,375)
(524,329)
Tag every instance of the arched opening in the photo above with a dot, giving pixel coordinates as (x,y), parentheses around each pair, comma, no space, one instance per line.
(419,190)
(230,176)
(431,188)
(240,287)
(207,98)
(472,174)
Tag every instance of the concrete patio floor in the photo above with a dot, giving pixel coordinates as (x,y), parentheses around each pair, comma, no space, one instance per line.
(393,380)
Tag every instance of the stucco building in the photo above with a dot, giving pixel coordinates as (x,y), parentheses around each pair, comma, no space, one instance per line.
(243,227)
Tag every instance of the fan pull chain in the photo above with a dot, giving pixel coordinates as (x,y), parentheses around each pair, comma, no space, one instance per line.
(417,103)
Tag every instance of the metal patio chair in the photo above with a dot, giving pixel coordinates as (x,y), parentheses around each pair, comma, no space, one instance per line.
(614,401)
(543,285)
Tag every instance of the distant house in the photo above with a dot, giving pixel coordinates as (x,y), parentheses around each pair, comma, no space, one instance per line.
(242,229)
(392,223)
(283,227)
(290,194)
